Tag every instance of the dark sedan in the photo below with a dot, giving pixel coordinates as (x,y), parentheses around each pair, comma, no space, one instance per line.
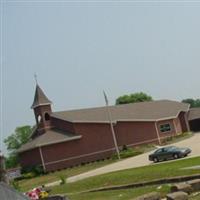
(167,153)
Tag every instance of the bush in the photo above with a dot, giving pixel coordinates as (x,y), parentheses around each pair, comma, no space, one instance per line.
(62,180)
(127,152)
(30,172)
(15,185)
(171,139)
(38,170)
(29,175)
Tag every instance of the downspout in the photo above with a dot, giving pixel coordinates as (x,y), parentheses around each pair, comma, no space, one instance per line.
(42,159)
(159,141)
(176,132)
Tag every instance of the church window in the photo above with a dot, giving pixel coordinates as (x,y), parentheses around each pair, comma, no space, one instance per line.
(39,118)
(46,117)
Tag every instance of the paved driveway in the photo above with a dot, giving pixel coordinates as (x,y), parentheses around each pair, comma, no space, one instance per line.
(140,160)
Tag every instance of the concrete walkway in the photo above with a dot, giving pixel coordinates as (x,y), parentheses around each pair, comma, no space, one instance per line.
(137,161)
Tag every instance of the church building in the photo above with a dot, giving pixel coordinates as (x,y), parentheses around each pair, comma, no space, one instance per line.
(69,138)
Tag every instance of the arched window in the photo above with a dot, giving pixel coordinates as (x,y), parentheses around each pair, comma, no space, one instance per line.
(39,118)
(46,117)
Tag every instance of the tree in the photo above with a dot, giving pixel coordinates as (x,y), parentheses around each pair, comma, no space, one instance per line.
(194,103)
(14,142)
(133,98)
(11,160)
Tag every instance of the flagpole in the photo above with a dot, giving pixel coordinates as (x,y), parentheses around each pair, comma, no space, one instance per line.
(111,126)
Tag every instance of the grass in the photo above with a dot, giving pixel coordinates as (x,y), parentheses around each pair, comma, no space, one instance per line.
(27,184)
(147,173)
(115,178)
(177,138)
(195,197)
(127,194)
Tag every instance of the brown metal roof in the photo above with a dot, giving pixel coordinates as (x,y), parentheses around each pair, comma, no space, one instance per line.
(194,114)
(145,111)
(40,98)
(52,136)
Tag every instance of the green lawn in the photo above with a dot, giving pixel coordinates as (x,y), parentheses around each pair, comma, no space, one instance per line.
(126,194)
(152,172)
(196,197)
(147,173)
(177,138)
(27,184)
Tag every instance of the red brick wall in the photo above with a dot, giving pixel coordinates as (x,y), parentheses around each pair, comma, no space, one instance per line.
(62,125)
(135,133)
(96,142)
(96,136)
(43,124)
(30,158)
(183,117)
(178,125)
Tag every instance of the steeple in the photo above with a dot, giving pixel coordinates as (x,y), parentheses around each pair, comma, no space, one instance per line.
(42,110)
(40,98)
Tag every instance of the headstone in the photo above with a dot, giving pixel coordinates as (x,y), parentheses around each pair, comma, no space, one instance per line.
(195,184)
(150,196)
(184,187)
(177,196)
(57,197)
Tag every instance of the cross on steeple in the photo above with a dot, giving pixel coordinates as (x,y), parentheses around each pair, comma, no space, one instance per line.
(35,76)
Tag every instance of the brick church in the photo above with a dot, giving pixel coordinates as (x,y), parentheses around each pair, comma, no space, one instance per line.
(69,138)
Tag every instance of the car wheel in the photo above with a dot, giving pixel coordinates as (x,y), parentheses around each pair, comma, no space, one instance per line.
(155,160)
(175,156)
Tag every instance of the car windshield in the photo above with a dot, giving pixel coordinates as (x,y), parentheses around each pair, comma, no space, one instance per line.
(173,148)
(158,151)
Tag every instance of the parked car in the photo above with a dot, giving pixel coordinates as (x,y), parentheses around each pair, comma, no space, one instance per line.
(167,153)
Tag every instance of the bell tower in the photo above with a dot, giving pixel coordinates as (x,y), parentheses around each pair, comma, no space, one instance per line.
(42,110)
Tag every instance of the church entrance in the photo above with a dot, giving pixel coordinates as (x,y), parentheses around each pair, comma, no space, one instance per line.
(195,125)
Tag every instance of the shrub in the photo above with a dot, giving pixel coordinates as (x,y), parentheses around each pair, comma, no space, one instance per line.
(38,170)
(62,180)
(15,185)
(171,139)
(29,175)
(30,172)
(127,152)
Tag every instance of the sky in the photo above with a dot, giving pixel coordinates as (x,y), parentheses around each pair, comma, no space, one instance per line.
(80,48)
